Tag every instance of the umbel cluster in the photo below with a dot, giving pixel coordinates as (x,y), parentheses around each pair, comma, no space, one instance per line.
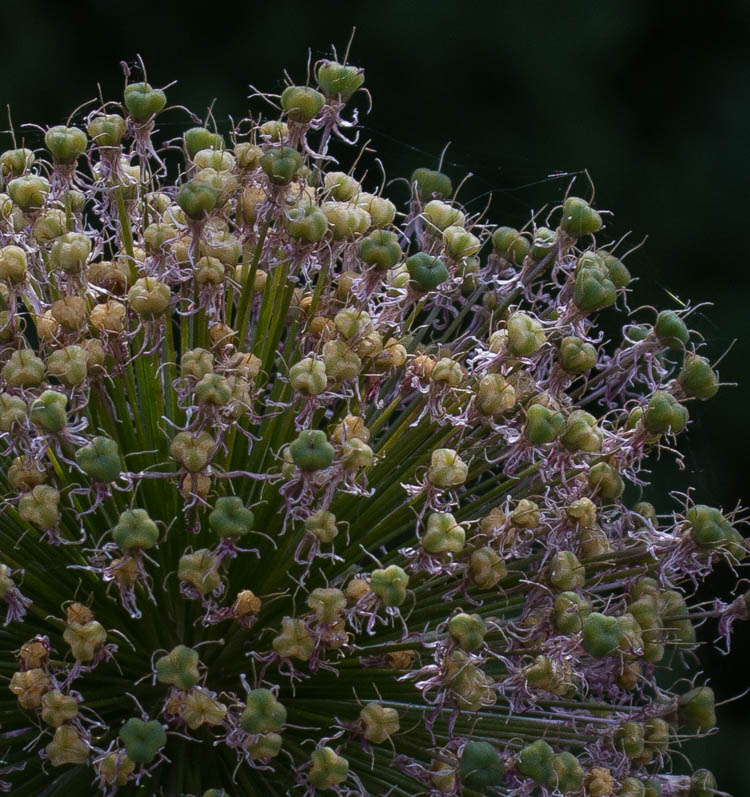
(306,491)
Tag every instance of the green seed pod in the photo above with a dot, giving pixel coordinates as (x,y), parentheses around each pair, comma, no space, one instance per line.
(193,452)
(382,211)
(579,218)
(582,433)
(631,787)
(671,330)
(294,640)
(525,335)
(213,389)
(426,271)
(458,243)
(142,740)
(143,102)
(447,372)
(311,450)
(328,769)
(67,747)
(494,395)
(223,183)
(576,355)
(567,773)
(697,378)
(85,639)
(545,241)
(219,160)
(443,215)
(107,130)
(13,265)
(135,530)
(178,668)
(390,585)
(302,103)
(664,414)
(49,411)
(618,271)
(380,249)
(327,603)
(23,369)
(340,361)
(566,572)
(100,459)
(12,411)
(481,768)
(58,708)
(65,144)
(535,761)
(70,252)
(267,746)
(14,162)
(702,784)
(708,527)
(601,635)
(308,376)
(510,244)
(356,455)
(263,713)
(199,570)
(570,610)
(197,363)
(696,709)
(447,469)
(594,290)
(629,738)
(40,507)
(486,568)
(431,184)
(149,298)
(49,225)
(281,164)
(196,198)
(653,788)
(230,517)
(380,722)
(322,524)
(307,223)
(443,535)
(606,481)
(68,365)
(200,138)
(342,187)
(339,81)
(468,630)
(29,192)
(543,425)
(209,271)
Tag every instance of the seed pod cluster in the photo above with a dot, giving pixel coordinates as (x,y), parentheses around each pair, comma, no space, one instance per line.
(344,489)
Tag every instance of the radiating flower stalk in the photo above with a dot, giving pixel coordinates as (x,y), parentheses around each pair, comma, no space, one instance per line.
(307,491)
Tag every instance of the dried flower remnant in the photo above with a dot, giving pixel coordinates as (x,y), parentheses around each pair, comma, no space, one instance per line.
(308,491)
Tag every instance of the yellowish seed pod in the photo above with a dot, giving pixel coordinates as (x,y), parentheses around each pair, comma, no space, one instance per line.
(28,687)
(67,747)
(109,316)
(70,312)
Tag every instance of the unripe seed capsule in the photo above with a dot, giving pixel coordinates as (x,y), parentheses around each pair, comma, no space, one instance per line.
(143,101)
(481,768)
(301,103)
(579,218)
(601,634)
(142,739)
(65,144)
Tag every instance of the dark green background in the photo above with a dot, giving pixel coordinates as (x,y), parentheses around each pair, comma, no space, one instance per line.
(651,98)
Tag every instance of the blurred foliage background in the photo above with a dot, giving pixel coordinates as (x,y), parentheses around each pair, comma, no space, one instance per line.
(650,98)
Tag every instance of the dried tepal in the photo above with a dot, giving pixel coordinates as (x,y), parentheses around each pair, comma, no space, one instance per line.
(304,490)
